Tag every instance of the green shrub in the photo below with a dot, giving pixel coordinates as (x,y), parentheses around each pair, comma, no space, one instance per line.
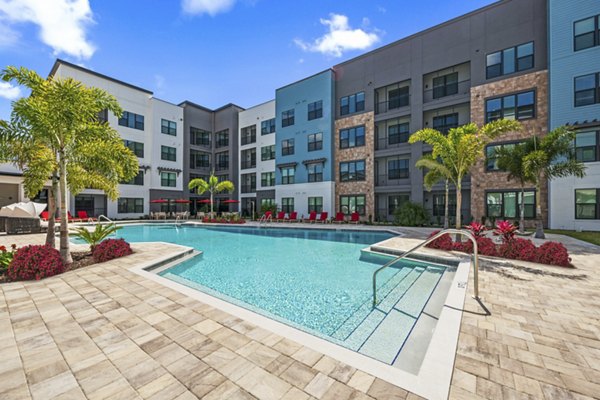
(272,208)
(93,238)
(411,214)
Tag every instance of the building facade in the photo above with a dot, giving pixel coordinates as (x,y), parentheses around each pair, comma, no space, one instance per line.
(574,48)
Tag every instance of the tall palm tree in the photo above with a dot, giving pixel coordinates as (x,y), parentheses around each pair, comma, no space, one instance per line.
(213,186)
(436,172)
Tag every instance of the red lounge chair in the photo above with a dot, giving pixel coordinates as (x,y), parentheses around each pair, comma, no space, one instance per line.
(293,217)
(83,215)
(46,216)
(340,218)
(312,217)
(355,218)
(280,216)
(71,218)
(323,217)
(268,216)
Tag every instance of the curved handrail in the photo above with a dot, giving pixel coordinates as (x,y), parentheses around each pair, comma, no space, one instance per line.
(468,234)
(106,218)
(264,219)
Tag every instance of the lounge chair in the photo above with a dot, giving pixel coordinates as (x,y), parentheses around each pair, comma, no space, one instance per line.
(83,215)
(71,218)
(293,217)
(323,217)
(312,217)
(45,216)
(340,218)
(355,218)
(280,216)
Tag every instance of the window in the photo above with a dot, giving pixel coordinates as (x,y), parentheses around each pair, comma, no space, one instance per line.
(517,106)
(508,61)
(287,118)
(315,172)
(288,175)
(315,141)
(398,97)
(248,183)
(199,137)
(248,158)
(315,204)
(136,147)
(264,203)
(352,137)
(287,204)
(267,153)
(507,204)
(315,110)
(267,127)
(248,135)
(398,133)
(446,85)
(587,146)
(444,123)
(128,205)
(354,203)
(222,160)
(586,204)
(352,171)
(199,159)
(397,201)
(132,120)
(352,104)
(398,169)
(267,179)
(587,90)
(168,179)
(491,161)
(439,205)
(137,180)
(223,177)
(222,138)
(168,153)
(168,127)
(287,147)
(586,33)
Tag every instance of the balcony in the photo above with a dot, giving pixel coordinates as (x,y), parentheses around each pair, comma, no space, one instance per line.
(383,143)
(246,164)
(222,166)
(248,188)
(461,88)
(248,139)
(400,178)
(393,104)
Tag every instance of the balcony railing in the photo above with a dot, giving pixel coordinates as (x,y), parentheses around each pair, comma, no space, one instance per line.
(392,104)
(222,143)
(382,143)
(248,188)
(392,180)
(441,92)
(248,139)
(222,166)
(248,164)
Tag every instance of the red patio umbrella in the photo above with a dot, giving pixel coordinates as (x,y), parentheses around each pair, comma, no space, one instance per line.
(182,201)
(159,201)
(231,201)
(204,201)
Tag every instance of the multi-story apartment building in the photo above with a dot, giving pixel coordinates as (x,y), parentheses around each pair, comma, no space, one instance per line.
(574,48)
(304,145)
(257,158)
(439,78)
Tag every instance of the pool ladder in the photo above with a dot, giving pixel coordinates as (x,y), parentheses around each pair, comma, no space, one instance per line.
(474,259)
(110,221)
(265,220)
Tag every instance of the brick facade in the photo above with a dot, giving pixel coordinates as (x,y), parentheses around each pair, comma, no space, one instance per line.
(366,152)
(483,181)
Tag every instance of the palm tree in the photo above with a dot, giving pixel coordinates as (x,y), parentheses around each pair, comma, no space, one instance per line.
(436,172)
(213,186)
(460,150)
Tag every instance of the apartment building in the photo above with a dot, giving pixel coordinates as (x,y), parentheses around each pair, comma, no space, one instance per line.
(574,61)
(257,128)
(304,145)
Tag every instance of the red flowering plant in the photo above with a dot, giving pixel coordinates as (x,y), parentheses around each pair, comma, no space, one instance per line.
(505,229)
(444,242)
(6,257)
(35,262)
(476,229)
(110,249)
(553,253)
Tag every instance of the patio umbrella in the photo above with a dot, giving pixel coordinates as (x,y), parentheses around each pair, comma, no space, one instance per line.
(159,201)
(204,201)
(182,201)
(7,210)
(231,201)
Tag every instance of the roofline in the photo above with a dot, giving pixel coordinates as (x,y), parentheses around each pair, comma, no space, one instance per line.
(259,104)
(308,77)
(425,31)
(58,62)
(191,103)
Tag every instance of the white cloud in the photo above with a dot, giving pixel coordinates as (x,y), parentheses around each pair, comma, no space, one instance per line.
(62,23)
(9,91)
(8,37)
(340,38)
(210,7)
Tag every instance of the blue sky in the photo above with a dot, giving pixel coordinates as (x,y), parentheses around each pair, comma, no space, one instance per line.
(211,52)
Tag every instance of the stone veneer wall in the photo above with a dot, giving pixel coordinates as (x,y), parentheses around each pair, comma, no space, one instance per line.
(366,152)
(481,180)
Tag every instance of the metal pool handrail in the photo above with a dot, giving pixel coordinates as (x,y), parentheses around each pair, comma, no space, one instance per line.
(431,239)
(106,218)
(264,219)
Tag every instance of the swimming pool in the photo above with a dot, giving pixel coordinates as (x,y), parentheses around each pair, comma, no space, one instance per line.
(315,280)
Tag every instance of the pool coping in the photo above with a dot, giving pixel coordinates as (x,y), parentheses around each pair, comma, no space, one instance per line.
(437,365)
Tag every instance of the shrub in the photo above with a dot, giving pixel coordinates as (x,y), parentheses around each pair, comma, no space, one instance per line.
(111,249)
(444,242)
(505,229)
(6,257)
(476,229)
(411,214)
(96,236)
(486,247)
(553,253)
(518,249)
(35,262)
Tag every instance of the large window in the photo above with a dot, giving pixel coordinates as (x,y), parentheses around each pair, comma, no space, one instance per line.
(248,158)
(439,205)
(586,33)
(587,146)
(168,179)
(287,204)
(398,133)
(507,204)
(137,180)
(491,159)
(267,127)
(315,204)
(248,183)
(398,168)
(352,171)
(444,123)
(398,97)
(168,127)
(353,103)
(315,110)
(587,90)
(352,137)
(199,137)
(222,160)
(288,175)
(132,120)
(199,159)
(222,138)
(136,147)
(129,205)
(168,153)
(267,179)
(315,172)
(287,147)
(587,205)
(446,85)
(266,202)
(248,134)
(315,141)
(397,201)
(352,203)
(517,106)
(287,118)
(267,153)
(508,61)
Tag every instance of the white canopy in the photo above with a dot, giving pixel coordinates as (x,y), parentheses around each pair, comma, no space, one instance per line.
(23,210)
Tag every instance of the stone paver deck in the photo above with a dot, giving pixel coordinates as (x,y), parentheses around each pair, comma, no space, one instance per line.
(104,332)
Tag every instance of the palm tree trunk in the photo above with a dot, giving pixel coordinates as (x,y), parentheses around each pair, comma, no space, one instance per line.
(212,215)
(52,195)
(539,224)
(446,223)
(522,210)
(65,252)
(458,204)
